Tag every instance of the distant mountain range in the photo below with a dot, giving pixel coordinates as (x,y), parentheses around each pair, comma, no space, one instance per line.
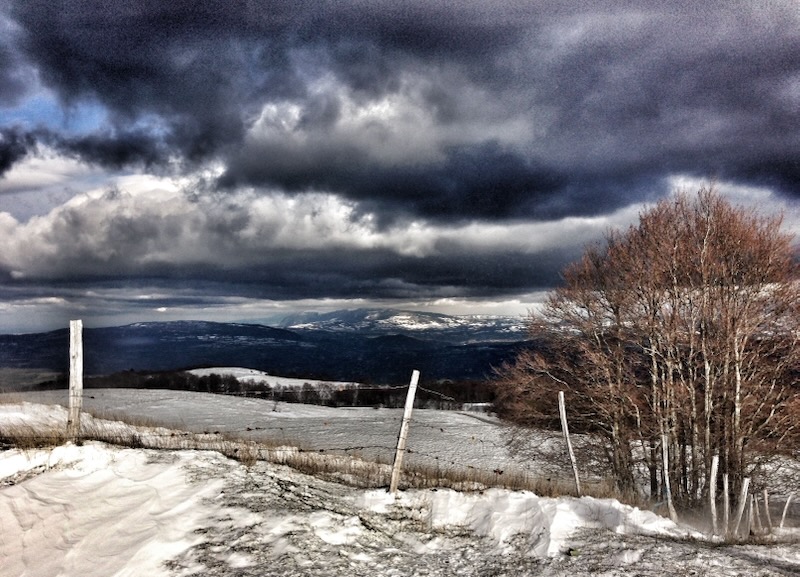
(365,345)
(455,329)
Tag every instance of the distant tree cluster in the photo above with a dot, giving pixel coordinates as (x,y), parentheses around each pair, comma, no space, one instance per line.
(679,333)
(445,394)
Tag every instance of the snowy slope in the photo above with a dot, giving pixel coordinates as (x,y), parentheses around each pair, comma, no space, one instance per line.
(95,511)
(262,378)
(444,438)
(98,511)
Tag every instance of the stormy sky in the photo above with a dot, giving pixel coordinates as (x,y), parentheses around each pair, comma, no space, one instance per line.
(238,159)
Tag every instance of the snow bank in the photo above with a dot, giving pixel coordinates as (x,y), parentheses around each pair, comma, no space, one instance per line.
(546,524)
(98,511)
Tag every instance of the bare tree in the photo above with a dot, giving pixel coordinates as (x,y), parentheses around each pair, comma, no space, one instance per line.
(677,335)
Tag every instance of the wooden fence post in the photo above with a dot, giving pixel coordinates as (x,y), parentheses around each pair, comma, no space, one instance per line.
(75,378)
(401,439)
(562,411)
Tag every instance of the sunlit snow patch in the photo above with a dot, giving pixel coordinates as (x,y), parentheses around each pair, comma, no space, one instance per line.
(501,515)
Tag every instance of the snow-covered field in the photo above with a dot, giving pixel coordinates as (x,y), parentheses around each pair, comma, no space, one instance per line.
(95,510)
(261,378)
(436,438)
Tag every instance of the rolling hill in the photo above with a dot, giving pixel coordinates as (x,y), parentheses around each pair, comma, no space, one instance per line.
(377,346)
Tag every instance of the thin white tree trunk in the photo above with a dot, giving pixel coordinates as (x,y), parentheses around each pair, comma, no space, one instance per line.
(726,504)
(786,509)
(767,515)
(759,526)
(401,439)
(742,504)
(75,378)
(712,494)
(562,410)
(667,487)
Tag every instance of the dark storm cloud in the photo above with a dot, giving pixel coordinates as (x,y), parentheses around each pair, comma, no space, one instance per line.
(14,80)
(337,126)
(112,150)
(108,149)
(278,248)
(15,144)
(700,91)
(197,67)
(296,275)
(483,180)
(612,97)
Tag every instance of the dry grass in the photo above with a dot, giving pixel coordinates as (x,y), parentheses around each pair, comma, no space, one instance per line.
(121,430)
(343,468)
(24,379)
(28,437)
(15,398)
(141,435)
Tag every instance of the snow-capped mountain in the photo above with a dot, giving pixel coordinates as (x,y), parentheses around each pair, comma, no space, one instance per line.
(457,329)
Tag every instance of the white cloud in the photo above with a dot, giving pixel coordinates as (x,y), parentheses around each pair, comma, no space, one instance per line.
(144,221)
(761,199)
(42,171)
(140,223)
(43,181)
(395,128)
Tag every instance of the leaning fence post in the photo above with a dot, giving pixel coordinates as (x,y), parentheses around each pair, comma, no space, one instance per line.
(75,378)
(562,411)
(401,439)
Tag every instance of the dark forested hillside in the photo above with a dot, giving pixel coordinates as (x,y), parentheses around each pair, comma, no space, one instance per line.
(365,356)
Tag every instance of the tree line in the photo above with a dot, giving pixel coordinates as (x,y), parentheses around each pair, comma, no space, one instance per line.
(444,394)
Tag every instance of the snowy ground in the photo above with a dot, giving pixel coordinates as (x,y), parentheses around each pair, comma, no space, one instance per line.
(95,510)
(448,439)
(261,378)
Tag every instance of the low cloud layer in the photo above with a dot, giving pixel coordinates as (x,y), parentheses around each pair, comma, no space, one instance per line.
(343,149)
(307,246)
